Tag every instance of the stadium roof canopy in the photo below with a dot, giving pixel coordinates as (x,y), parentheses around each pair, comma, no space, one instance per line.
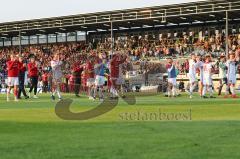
(211,11)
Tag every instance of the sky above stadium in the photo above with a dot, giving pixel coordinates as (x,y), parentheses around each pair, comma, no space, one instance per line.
(13,10)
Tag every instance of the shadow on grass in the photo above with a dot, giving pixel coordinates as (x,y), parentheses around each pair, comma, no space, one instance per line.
(63,111)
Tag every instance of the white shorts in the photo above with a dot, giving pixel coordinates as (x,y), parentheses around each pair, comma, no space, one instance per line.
(232,80)
(100,80)
(192,78)
(13,81)
(207,81)
(90,82)
(173,81)
(120,81)
(57,80)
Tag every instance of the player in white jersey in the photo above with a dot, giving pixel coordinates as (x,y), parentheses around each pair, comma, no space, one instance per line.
(223,75)
(232,64)
(207,77)
(199,66)
(57,74)
(192,74)
(172,77)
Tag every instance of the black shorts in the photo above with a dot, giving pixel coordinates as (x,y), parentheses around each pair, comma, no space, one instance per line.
(34,80)
(224,81)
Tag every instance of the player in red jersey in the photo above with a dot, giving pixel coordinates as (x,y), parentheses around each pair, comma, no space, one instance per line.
(45,81)
(33,75)
(115,63)
(90,76)
(77,70)
(13,72)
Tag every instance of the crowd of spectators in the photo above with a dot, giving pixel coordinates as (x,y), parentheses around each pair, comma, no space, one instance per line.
(173,44)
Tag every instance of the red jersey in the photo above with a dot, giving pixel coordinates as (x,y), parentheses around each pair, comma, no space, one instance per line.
(13,68)
(22,68)
(45,77)
(84,79)
(115,67)
(32,70)
(90,70)
(77,70)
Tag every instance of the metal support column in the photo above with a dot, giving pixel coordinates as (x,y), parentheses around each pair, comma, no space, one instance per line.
(86,37)
(66,37)
(227,28)
(47,39)
(112,40)
(56,37)
(20,42)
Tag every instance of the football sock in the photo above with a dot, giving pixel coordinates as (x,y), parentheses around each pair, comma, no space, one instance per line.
(232,90)
(204,90)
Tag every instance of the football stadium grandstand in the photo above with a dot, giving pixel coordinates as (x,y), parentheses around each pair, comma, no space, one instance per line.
(152,69)
(147,35)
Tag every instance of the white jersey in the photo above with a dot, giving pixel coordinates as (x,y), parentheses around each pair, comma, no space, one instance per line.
(192,71)
(192,67)
(222,70)
(56,69)
(207,73)
(232,69)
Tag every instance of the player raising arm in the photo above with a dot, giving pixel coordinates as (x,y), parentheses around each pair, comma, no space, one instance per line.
(100,67)
(232,64)
(172,77)
(207,77)
(115,63)
(192,74)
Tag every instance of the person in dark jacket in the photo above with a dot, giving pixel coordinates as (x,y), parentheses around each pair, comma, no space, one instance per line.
(77,71)
(21,77)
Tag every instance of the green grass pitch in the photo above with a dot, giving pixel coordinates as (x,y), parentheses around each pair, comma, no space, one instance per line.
(30,129)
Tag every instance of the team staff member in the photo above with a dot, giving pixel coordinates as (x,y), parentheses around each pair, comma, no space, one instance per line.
(13,72)
(21,77)
(33,75)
